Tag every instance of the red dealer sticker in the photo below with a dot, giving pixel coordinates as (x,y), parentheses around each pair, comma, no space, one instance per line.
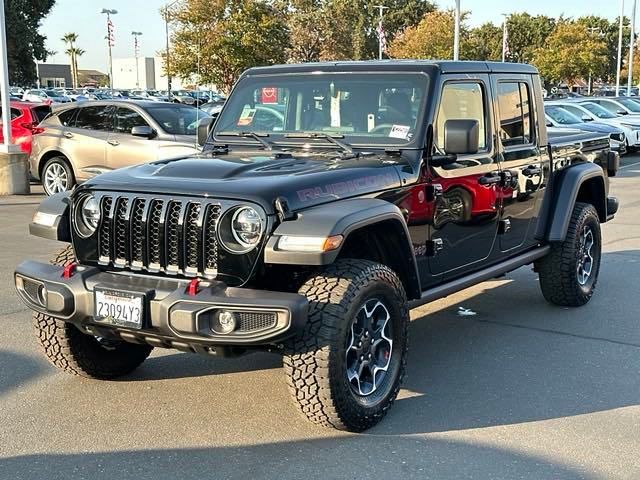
(269,95)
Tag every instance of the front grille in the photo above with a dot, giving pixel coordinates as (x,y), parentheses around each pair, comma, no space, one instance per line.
(156,234)
(255,321)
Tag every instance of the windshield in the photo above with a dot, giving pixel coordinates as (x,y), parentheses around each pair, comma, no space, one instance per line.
(562,116)
(630,105)
(52,93)
(597,110)
(177,119)
(369,108)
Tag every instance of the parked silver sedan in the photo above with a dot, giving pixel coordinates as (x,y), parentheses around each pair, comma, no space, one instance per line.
(85,139)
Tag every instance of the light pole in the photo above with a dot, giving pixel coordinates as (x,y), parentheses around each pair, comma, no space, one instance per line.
(382,40)
(631,47)
(505,35)
(620,47)
(166,31)
(110,42)
(135,52)
(456,33)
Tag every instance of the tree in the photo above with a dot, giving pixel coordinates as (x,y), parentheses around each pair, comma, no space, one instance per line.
(608,31)
(527,34)
(432,38)
(484,43)
(69,39)
(571,52)
(25,43)
(218,39)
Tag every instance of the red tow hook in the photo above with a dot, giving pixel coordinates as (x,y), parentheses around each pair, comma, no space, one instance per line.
(69,270)
(192,288)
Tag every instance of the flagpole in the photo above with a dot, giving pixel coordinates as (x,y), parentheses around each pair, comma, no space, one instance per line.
(381,9)
(631,47)
(620,47)
(456,33)
(504,38)
(110,12)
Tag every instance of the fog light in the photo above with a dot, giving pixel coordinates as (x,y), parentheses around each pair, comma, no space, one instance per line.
(225,322)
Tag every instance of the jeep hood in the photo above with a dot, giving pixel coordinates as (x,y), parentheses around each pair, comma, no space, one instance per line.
(303,179)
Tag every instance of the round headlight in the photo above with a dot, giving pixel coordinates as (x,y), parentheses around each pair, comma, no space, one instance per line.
(246,226)
(87,215)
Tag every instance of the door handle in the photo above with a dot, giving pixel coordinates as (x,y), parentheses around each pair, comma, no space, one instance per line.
(67,135)
(115,143)
(531,170)
(492,178)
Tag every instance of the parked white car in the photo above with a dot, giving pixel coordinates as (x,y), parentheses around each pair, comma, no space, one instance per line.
(44,95)
(618,106)
(590,111)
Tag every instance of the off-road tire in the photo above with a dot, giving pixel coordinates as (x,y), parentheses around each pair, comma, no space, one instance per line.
(557,270)
(76,353)
(315,359)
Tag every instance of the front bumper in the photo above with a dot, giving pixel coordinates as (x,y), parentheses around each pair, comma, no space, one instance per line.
(173,318)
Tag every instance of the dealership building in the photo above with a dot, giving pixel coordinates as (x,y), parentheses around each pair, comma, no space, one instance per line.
(150,74)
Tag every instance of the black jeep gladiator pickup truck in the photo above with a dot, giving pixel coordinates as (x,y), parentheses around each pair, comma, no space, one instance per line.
(327,201)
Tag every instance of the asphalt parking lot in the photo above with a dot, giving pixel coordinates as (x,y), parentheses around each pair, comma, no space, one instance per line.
(520,390)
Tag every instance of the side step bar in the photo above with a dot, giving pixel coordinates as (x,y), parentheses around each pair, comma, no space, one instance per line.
(486,274)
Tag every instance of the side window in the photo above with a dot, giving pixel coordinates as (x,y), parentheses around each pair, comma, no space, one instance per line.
(15,113)
(94,118)
(126,119)
(576,111)
(514,106)
(40,113)
(462,101)
(67,117)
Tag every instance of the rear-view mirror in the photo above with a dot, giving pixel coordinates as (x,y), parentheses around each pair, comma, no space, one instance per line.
(204,127)
(461,136)
(144,131)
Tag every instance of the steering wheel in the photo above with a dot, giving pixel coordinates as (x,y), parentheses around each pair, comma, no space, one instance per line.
(381,127)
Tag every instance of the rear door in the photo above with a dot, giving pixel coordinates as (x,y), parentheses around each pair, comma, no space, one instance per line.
(124,149)
(521,159)
(87,140)
(465,212)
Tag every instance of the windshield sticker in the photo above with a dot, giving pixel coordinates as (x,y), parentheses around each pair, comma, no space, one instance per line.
(335,110)
(246,117)
(399,131)
(371,122)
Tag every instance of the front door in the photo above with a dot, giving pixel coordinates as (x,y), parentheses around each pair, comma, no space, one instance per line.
(124,149)
(521,160)
(86,139)
(465,213)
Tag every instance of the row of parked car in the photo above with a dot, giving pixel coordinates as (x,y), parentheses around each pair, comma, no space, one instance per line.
(619,117)
(72,142)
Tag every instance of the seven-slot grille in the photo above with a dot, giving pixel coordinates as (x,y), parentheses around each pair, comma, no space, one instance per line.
(159,234)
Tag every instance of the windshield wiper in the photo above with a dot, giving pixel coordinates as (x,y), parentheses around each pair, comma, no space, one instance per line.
(346,148)
(256,136)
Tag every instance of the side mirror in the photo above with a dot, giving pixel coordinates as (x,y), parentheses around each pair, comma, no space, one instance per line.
(143,131)
(461,137)
(620,111)
(549,124)
(204,126)
(587,118)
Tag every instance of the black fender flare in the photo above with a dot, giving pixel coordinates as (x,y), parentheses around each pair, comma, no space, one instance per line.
(55,224)
(563,195)
(343,218)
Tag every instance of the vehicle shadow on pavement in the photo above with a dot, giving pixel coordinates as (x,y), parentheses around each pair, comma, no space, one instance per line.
(16,370)
(330,458)
(186,365)
(519,359)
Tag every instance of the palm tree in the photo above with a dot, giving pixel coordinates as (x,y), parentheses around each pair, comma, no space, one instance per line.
(77,52)
(69,39)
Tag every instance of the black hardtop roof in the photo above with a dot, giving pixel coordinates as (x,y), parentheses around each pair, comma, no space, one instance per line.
(444,66)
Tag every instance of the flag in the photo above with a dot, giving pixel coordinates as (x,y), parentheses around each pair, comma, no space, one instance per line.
(382,38)
(110,34)
(505,43)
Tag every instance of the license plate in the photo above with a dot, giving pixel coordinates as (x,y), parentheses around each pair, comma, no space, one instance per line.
(119,308)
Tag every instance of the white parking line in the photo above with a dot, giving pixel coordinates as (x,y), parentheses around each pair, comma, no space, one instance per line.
(628,166)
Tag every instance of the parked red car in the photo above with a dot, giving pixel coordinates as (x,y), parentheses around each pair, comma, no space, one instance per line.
(25,118)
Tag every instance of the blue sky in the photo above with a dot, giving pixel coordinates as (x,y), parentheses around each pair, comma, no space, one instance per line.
(83,18)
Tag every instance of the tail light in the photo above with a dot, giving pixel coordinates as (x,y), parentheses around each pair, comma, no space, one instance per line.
(33,127)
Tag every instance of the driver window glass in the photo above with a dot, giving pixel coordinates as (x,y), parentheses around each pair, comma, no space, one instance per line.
(462,101)
(126,119)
